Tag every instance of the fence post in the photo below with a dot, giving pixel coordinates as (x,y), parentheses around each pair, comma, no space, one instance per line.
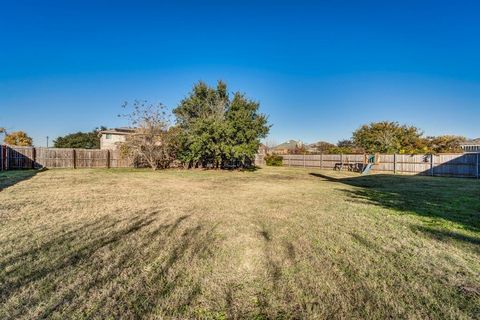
(74,157)
(108,159)
(321,160)
(431,164)
(7,158)
(394,163)
(478,156)
(341,161)
(304,160)
(34,157)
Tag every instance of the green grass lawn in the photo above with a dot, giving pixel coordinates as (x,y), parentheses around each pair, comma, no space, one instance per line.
(274,243)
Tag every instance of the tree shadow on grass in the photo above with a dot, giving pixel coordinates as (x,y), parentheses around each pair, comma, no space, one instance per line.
(195,243)
(251,169)
(108,249)
(242,169)
(451,236)
(448,199)
(273,298)
(19,276)
(12,177)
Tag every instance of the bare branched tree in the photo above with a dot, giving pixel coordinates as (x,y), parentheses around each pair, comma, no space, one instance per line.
(153,142)
(270,143)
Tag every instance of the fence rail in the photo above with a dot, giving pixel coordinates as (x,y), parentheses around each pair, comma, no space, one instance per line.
(451,164)
(457,165)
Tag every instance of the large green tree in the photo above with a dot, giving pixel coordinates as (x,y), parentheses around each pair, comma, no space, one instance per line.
(218,131)
(83,140)
(389,137)
(445,144)
(346,147)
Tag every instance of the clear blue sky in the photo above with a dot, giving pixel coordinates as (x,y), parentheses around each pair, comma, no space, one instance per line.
(319,69)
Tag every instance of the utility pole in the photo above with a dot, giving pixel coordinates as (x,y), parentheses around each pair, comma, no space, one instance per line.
(47,141)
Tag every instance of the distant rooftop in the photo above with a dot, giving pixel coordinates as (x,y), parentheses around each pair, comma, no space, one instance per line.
(120,130)
(292,144)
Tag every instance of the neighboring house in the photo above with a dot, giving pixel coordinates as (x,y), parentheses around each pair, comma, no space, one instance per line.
(471,146)
(287,147)
(112,138)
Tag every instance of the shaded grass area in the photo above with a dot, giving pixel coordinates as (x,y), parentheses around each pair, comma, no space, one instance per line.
(11,177)
(273,243)
(449,200)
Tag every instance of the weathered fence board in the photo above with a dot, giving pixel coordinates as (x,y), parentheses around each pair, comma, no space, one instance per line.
(14,157)
(54,158)
(85,158)
(259,160)
(2,157)
(20,158)
(119,161)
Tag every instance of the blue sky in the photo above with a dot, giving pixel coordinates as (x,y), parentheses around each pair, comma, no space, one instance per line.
(320,69)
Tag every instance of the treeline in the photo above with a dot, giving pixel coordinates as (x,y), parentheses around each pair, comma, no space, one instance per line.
(389,137)
(82,140)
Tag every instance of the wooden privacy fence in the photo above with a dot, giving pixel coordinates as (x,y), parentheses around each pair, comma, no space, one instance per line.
(13,157)
(259,160)
(456,165)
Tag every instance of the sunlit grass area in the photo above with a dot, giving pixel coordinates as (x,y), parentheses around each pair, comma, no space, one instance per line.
(273,243)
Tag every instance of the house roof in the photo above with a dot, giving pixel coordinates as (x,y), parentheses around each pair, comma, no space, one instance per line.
(292,144)
(474,142)
(119,131)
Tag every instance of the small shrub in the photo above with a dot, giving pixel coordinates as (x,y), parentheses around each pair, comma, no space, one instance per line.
(274,160)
